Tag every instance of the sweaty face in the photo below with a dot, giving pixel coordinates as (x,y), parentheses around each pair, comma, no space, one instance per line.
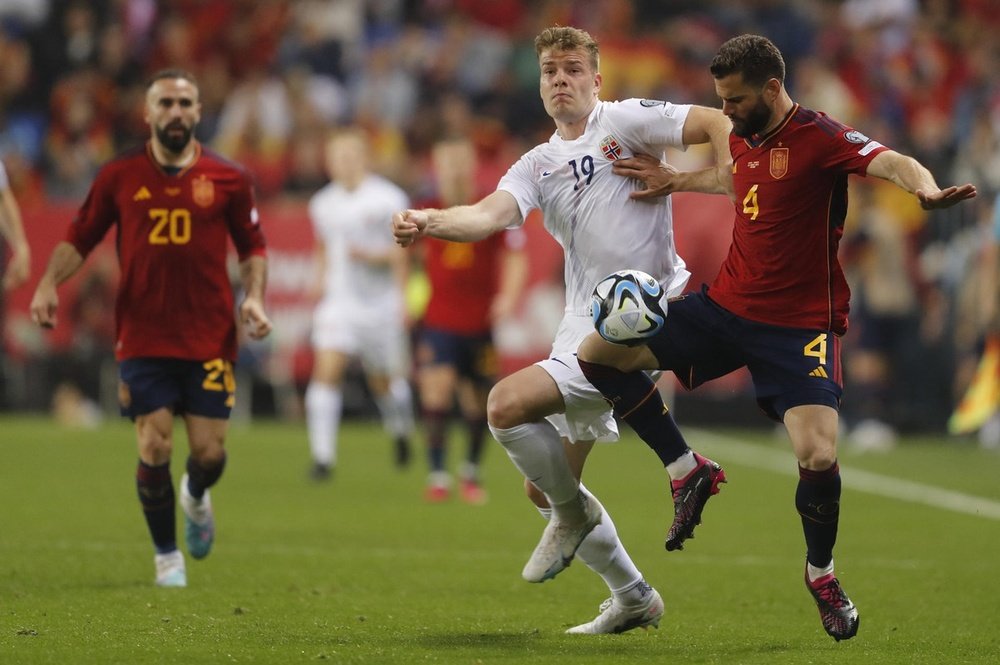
(745,105)
(568,84)
(173,111)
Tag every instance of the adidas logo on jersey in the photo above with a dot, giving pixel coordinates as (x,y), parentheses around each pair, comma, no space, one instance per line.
(142,194)
(820,373)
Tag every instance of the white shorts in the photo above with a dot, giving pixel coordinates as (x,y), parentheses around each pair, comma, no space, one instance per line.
(380,342)
(588,416)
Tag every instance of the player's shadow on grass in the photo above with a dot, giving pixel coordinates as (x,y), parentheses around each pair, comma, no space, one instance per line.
(543,646)
(539,644)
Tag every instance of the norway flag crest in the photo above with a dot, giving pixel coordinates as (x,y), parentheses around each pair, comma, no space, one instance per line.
(610,147)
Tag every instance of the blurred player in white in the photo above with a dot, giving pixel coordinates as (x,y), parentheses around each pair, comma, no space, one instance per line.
(548,416)
(361,312)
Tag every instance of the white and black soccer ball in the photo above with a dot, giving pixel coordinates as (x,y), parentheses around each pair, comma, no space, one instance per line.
(626,307)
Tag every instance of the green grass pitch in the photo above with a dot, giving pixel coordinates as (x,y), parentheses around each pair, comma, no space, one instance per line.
(361,570)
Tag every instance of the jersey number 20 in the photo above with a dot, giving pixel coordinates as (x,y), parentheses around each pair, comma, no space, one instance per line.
(170,227)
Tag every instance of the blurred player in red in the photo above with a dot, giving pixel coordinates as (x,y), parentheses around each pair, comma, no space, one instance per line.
(473,286)
(175,206)
(779,303)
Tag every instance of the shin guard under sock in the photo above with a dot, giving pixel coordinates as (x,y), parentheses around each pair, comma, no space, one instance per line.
(817,498)
(435,427)
(156,495)
(637,401)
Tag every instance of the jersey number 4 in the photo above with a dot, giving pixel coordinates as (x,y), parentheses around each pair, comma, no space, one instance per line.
(170,227)
(816,349)
(750,206)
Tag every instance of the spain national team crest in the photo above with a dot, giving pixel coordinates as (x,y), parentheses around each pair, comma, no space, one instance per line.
(203,191)
(610,147)
(779,162)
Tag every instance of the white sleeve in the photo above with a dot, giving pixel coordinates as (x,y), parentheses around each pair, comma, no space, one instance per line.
(521,183)
(315,212)
(649,122)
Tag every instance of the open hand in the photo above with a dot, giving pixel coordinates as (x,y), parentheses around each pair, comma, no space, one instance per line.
(946,197)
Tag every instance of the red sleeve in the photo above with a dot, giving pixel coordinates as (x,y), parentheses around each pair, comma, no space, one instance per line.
(95,216)
(850,151)
(244,221)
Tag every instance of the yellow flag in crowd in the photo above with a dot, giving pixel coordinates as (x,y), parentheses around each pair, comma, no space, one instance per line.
(982,399)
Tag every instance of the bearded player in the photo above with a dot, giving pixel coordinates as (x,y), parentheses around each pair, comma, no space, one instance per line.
(779,303)
(175,206)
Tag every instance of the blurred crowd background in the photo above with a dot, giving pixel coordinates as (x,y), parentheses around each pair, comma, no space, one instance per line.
(276,75)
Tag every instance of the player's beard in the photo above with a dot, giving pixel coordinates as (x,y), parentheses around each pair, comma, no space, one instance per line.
(175,142)
(755,121)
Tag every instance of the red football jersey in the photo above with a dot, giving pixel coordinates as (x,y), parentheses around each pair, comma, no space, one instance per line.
(464,278)
(175,299)
(791,201)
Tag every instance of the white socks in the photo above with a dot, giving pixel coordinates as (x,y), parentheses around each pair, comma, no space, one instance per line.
(396,407)
(604,554)
(682,466)
(324,404)
(816,573)
(536,449)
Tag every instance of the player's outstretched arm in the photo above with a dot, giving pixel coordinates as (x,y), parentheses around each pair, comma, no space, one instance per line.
(65,261)
(12,229)
(467,223)
(912,176)
(253,273)
(661,179)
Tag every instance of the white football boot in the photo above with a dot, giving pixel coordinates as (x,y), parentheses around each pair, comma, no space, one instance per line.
(170,570)
(559,542)
(199,522)
(616,617)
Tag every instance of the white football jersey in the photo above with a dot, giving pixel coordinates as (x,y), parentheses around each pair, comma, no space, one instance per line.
(586,207)
(360,219)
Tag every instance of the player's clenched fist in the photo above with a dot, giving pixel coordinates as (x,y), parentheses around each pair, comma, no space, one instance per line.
(408,225)
(44,305)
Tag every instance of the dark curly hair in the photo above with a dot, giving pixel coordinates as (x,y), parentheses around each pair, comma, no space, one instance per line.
(754,57)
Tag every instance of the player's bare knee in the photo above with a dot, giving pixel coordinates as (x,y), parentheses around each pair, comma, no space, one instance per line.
(595,349)
(504,407)
(154,448)
(207,451)
(818,458)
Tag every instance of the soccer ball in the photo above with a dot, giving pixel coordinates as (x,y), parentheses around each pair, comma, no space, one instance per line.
(626,307)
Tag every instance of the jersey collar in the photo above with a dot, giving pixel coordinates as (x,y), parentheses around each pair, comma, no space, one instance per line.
(184,169)
(759,139)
